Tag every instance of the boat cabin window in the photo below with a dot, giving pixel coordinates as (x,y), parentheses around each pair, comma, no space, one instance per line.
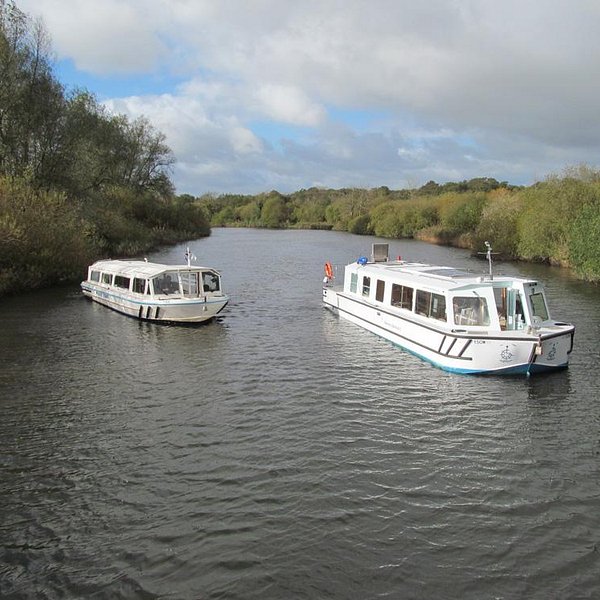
(166,283)
(353,282)
(95,276)
(139,285)
(470,310)
(431,305)
(121,282)
(210,281)
(107,278)
(538,306)
(189,284)
(402,296)
(366,286)
(380,290)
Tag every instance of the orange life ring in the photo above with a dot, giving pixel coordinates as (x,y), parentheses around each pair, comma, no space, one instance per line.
(328,270)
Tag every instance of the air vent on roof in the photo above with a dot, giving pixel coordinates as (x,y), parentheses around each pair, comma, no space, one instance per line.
(380,252)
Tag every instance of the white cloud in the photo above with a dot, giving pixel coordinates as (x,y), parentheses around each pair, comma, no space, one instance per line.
(288,104)
(518,79)
(104,38)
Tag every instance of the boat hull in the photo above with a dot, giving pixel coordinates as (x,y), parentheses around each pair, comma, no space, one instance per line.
(168,310)
(457,350)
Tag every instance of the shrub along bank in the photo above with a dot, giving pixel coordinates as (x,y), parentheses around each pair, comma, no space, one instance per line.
(46,238)
(556,221)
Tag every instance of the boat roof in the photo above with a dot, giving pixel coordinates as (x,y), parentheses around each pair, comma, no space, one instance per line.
(141,268)
(445,278)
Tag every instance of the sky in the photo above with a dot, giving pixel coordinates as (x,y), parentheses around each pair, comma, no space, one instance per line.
(260,95)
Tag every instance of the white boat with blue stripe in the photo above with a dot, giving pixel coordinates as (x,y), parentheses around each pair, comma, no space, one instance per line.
(157,292)
(459,321)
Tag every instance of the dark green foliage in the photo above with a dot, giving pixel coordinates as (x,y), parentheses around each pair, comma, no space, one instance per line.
(584,242)
(537,223)
(498,224)
(404,218)
(460,213)
(274,211)
(478,184)
(43,238)
(548,210)
(361,225)
(75,181)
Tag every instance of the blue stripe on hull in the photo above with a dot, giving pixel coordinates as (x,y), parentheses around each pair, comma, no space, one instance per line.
(523,369)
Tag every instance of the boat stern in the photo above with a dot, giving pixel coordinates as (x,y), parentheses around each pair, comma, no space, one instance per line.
(330,298)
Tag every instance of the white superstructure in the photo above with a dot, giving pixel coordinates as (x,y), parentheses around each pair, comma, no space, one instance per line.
(456,320)
(156,292)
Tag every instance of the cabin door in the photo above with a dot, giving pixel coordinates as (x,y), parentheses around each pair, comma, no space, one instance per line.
(514,309)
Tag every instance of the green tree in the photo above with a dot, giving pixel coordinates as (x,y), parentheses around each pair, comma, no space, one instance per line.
(498,223)
(460,213)
(273,213)
(584,242)
(249,214)
(544,223)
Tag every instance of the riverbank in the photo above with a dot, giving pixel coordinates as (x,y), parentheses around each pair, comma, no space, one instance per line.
(554,222)
(47,238)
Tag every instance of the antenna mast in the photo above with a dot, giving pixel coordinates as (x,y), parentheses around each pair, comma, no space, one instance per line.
(488,255)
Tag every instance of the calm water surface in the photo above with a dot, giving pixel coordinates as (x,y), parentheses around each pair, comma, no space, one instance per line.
(282,453)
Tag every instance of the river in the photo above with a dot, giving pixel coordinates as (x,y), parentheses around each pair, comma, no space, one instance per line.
(279,452)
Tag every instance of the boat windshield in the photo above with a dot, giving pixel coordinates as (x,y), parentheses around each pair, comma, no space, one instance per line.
(210,281)
(166,283)
(189,283)
(538,306)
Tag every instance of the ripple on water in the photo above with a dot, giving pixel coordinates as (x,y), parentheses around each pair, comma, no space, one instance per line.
(281,452)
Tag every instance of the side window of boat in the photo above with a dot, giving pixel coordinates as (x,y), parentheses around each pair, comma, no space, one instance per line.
(156,285)
(438,307)
(431,305)
(139,285)
(95,276)
(366,286)
(402,296)
(210,281)
(380,290)
(423,301)
(121,282)
(354,282)
(107,278)
(469,310)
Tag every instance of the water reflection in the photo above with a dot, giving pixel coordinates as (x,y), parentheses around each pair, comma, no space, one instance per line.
(281,449)
(551,388)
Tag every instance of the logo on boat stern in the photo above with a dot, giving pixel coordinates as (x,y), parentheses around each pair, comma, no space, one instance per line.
(506,355)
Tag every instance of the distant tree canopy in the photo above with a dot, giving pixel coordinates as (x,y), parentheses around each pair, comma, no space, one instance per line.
(555,221)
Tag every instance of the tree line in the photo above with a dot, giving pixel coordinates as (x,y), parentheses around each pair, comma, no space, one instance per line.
(556,221)
(76,182)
